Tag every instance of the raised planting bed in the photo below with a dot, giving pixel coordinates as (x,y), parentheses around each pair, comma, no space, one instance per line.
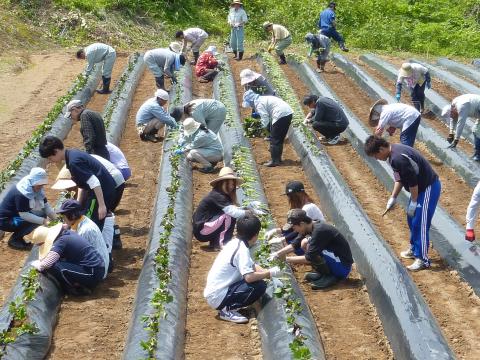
(157,327)
(455,158)
(55,124)
(286,325)
(461,69)
(390,287)
(29,315)
(433,100)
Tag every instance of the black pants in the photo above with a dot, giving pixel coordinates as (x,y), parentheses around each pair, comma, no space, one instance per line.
(118,196)
(278,132)
(91,206)
(218,230)
(18,227)
(209,75)
(418,96)
(328,129)
(72,275)
(241,294)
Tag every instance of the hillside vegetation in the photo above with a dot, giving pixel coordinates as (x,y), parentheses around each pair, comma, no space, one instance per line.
(433,27)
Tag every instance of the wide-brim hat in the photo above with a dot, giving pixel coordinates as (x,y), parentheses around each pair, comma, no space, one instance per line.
(266,24)
(64,180)
(190,126)
(213,50)
(371,120)
(234,2)
(44,237)
(176,47)
(405,70)
(247,76)
(226,173)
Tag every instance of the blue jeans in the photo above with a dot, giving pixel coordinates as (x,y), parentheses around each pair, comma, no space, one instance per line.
(241,294)
(407,137)
(18,227)
(337,268)
(334,34)
(236,38)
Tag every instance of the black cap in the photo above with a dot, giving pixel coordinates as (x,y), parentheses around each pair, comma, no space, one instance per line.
(293,187)
(69,205)
(296,216)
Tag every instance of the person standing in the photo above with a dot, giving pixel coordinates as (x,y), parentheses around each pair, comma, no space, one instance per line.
(92,128)
(389,117)
(163,62)
(237,18)
(327,24)
(276,115)
(461,108)
(99,53)
(326,116)
(208,112)
(416,77)
(281,39)
(412,172)
(234,280)
(320,45)
(153,116)
(194,36)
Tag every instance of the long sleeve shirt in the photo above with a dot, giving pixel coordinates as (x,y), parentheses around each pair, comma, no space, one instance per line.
(399,116)
(205,140)
(271,108)
(260,86)
(150,110)
(192,35)
(419,75)
(467,105)
(237,18)
(163,58)
(279,32)
(92,129)
(208,109)
(96,53)
(328,110)
(205,62)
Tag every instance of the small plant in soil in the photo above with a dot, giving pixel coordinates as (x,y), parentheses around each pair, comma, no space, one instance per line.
(253,128)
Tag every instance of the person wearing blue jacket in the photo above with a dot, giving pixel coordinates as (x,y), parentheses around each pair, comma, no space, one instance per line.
(328,25)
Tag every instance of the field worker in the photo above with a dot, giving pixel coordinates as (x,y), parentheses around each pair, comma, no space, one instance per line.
(196,37)
(472,213)
(118,159)
(327,24)
(235,281)
(276,116)
(200,145)
(327,250)
(389,117)
(326,116)
(412,172)
(416,77)
(298,198)
(163,62)
(69,258)
(320,45)
(92,128)
(461,108)
(209,112)
(73,215)
(281,39)
(215,217)
(99,53)
(251,80)
(25,207)
(96,186)
(207,66)
(237,18)
(153,116)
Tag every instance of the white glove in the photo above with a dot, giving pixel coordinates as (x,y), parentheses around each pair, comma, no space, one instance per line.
(271,233)
(36,264)
(411,208)
(273,256)
(275,272)
(391,202)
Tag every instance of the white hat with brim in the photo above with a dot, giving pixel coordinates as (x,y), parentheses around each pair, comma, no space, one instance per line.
(71,105)
(226,173)
(176,47)
(212,49)
(405,70)
(247,76)
(44,237)
(446,111)
(234,2)
(64,180)
(190,126)
(371,120)
(267,24)
(162,94)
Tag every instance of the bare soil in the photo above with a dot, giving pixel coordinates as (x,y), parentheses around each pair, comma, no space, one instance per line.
(360,334)
(206,334)
(445,293)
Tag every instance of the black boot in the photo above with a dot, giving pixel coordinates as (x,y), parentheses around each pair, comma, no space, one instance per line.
(240,55)
(106,86)
(235,53)
(18,243)
(282,61)
(110,263)
(476,155)
(160,82)
(343,47)
(117,242)
(195,58)
(276,153)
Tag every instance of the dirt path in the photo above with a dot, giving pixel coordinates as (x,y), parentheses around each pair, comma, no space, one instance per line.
(225,340)
(95,327)
(451,301)
(360,334)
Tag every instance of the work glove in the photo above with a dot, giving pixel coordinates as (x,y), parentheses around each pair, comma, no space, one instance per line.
(178,152)
(453,144)
(391,202)
(255,115)
(36,264)
(397,96)
(275,272)
(271,233)
(273,256)
(428,85)
(470,235)
(270,48)
(411,208)
(450,138)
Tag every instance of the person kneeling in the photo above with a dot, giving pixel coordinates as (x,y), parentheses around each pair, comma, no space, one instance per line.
(326,250)
(235,281)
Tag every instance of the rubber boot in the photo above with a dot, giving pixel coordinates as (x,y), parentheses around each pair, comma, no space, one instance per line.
(476,155)
(240,55)
(195,58)
(235,52)
(106,86)
(110,263)
(160,82)
(282,61)
(117,242)
(18,243)
(276,153)
(343,47)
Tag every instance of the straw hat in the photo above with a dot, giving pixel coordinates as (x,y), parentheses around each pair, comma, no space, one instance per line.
(266,24)
(247,76)
(176,47)
(226,173)
(374,116)
(406,70)
(190,126)
(234,2)
(44,236)
(64,180)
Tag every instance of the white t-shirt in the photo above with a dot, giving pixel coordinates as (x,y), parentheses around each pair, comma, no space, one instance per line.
(399,116)
(116,157)
(271,107)
(226,271)
(313,212)
(112,170)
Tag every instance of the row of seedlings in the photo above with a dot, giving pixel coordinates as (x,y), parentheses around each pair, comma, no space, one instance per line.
(286,325)
(55,123)
(157,326)
(29,315)
(451,247)
(390,288)
(461,69)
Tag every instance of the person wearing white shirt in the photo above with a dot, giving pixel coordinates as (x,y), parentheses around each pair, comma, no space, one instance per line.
(276,115)
(99,53)
(196,37)
(118,159)
(416,77)
(237,17)
(390,117)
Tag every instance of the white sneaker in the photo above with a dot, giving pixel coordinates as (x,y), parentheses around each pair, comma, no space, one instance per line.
(407,254)
(334,140)
(417,265)
(233,316)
